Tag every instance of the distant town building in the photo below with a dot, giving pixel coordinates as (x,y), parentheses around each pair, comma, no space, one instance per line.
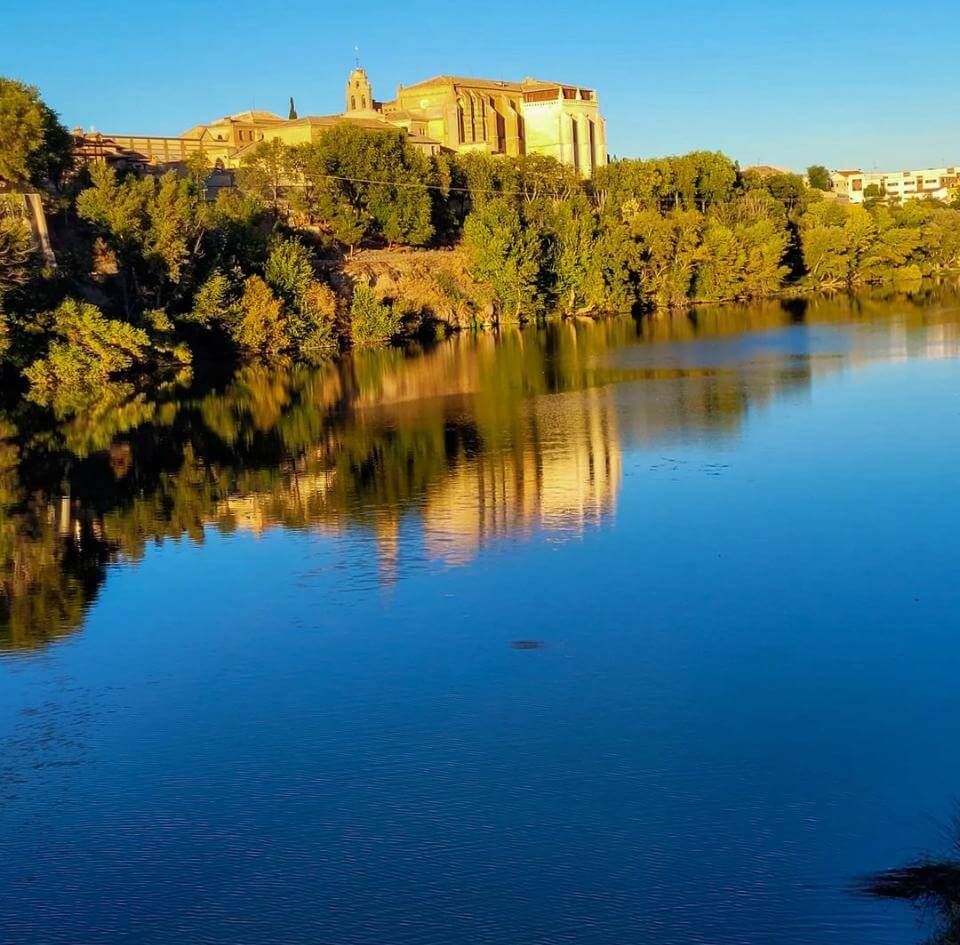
(935,182)
(444,113)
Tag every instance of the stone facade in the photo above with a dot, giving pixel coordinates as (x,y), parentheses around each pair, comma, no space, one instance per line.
(511,118)
(444,113)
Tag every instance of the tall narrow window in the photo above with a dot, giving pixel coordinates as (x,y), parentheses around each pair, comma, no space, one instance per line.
(576,143)
(593,145)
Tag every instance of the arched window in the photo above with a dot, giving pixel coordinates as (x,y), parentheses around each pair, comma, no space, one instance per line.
(353,103)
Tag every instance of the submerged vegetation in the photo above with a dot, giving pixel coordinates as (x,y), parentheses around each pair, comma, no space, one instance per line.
(359,238)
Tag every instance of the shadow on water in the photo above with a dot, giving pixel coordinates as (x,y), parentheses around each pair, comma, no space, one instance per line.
(477,439)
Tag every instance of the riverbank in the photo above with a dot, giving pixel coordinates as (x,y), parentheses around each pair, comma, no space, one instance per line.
(357,240)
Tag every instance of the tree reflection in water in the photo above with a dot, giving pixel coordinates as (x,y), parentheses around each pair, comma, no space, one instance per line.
(932,885)
(459,437)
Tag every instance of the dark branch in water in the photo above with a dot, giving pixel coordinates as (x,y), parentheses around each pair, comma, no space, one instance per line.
(927,883)
(932,885)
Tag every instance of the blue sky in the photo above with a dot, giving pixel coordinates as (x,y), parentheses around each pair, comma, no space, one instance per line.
(788,84)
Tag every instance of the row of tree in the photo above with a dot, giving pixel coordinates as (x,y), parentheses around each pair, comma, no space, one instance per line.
(640,232)
(151,271)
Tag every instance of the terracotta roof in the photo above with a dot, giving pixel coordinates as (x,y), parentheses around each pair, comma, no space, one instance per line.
(847,173)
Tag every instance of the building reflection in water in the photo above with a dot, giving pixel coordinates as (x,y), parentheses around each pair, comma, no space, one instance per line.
(477,440)
(564,474)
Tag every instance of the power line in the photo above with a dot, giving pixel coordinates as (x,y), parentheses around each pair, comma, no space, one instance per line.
(669,202)
(447,190)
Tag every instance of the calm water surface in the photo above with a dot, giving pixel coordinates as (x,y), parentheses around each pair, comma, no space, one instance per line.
(597,633)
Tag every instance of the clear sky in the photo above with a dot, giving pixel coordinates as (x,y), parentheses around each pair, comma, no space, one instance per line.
(769,82)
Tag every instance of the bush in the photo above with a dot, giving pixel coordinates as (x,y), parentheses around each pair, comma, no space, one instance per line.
(88,353)
(262,325)
(289,269)
(18,261)
(312,323)
(372,322)
(214,302)
(310,305)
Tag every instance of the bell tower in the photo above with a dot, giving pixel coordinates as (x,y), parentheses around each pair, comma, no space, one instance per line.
(359,92)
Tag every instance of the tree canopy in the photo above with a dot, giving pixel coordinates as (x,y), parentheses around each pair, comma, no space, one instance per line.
(34,147)
(819,177)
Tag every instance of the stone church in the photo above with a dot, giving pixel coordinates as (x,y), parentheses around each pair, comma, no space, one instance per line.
(449,113)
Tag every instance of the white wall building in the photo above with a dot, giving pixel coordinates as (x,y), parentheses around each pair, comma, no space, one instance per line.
(936,182)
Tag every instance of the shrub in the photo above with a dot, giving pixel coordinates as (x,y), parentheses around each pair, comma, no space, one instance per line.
(214,302)
(17,257)
(262,326)
(372,322)
(312,322)
(289,269)
(89,351)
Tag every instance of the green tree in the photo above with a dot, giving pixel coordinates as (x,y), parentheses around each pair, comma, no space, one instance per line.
(18,261)
(289,268)
(819,177)
(240,227)
(313,321)
(265,170)
(505,255)
(690,181)
(366,185)
(744,245)
(87,353)
(789,189)
(836,239)
(669,248)
(261,328)
(156,228)
(34,147)
(215,302)
(571,254)
(310,305)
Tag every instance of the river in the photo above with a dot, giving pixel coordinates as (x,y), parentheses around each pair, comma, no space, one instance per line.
(627,631)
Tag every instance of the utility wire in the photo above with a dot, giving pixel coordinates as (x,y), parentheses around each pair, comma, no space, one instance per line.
(448,190)
(668,202)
